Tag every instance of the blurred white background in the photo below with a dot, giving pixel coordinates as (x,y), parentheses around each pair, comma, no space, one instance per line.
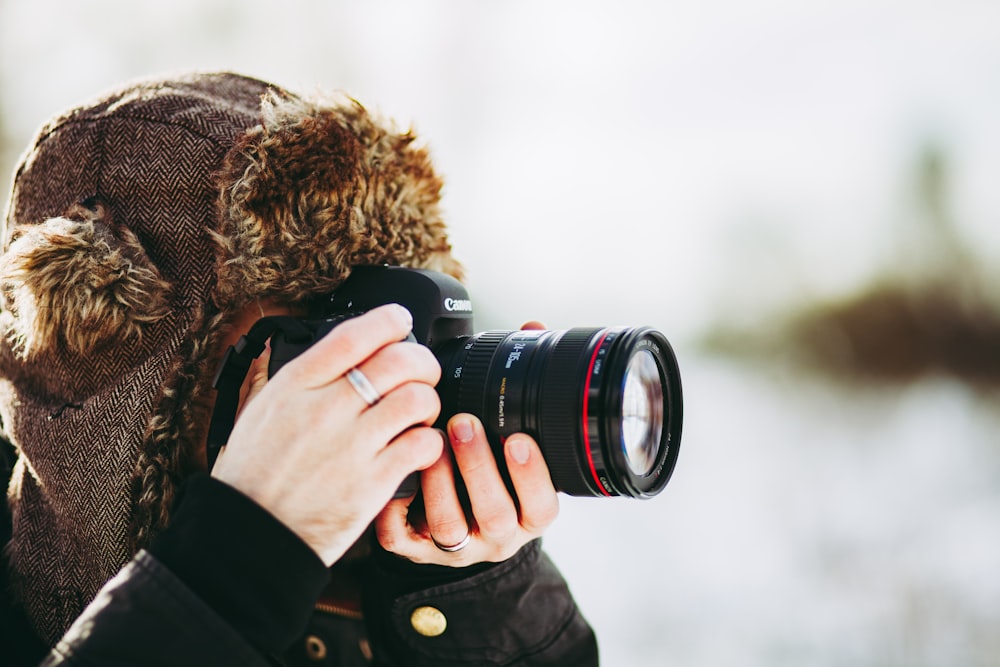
(676,164)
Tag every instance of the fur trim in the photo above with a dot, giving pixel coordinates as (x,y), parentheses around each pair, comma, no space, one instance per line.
(78,282)
(319,187)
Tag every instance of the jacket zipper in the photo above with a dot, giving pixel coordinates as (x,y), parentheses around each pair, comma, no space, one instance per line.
(339,611)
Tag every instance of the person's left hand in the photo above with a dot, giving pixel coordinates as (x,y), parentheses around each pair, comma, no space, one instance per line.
(497,526)
(492,525)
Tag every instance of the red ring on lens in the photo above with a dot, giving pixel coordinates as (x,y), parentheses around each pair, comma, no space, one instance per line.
(585,417)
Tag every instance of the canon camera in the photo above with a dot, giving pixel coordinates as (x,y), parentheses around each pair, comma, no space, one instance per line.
(603,403)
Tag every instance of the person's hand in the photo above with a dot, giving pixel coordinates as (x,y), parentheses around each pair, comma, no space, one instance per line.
(495,526)
(308,448)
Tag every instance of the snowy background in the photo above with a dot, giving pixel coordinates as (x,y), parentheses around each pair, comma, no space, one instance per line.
(678,164)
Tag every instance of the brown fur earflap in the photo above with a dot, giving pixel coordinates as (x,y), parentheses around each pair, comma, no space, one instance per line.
(77,282)
(320,186)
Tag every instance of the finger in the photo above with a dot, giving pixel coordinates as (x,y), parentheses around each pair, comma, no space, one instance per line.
(532,325)
(537,497)
(398,363)
(414,449)
(413,403)
(395,533)
(443,509)
(348,345)
(492,507)
(256,378)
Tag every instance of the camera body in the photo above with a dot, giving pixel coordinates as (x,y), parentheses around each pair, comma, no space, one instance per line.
(440,306)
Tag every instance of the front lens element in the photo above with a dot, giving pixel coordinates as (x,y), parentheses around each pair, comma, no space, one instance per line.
(642,412)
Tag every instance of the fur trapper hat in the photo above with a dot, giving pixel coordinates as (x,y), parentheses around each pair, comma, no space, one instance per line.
(138,225)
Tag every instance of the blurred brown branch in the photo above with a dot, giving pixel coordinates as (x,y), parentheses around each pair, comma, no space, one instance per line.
(935,312)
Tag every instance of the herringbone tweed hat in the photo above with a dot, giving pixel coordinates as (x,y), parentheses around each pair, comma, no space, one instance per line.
(138,224)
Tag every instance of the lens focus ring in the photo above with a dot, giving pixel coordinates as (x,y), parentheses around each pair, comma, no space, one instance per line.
(471,394)
(561,413)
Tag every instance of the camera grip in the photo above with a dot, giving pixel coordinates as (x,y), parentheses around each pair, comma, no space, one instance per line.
(408,487)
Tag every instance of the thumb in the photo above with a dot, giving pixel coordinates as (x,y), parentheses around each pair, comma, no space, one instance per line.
(393,527)
(256,378)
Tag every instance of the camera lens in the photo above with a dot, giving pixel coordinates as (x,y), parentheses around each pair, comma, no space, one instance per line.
(642,412)
(604,404)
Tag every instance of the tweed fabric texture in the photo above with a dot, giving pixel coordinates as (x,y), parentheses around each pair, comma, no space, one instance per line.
(137,226)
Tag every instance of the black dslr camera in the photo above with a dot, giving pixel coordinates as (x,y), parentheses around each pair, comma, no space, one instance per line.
(604,403)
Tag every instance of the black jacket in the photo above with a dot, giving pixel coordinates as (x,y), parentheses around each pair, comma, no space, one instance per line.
(227,584)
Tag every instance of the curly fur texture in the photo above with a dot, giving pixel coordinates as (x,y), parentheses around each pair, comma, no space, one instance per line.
(319,187)
(78,282)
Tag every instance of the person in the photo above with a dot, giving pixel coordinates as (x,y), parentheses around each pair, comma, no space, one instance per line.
(146,231)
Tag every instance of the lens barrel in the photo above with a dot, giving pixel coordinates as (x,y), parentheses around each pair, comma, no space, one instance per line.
(604,404)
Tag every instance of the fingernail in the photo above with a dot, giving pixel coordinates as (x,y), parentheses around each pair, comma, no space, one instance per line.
(462,430)
(519,450)
(405,315)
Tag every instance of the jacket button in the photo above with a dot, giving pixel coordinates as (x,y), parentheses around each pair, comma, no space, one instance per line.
(315,648)
(428,621)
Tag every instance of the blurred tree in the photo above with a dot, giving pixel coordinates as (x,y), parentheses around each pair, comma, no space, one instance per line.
(933,312)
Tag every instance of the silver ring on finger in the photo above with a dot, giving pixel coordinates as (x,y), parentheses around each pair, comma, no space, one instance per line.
(363,386)
(453,547)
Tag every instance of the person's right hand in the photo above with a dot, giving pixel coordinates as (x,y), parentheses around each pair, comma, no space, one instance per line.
(311,451)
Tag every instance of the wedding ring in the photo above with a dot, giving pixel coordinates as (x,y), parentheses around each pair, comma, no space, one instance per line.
(366,390)
(454,547)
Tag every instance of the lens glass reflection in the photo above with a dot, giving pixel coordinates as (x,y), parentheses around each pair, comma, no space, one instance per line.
(642,412)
